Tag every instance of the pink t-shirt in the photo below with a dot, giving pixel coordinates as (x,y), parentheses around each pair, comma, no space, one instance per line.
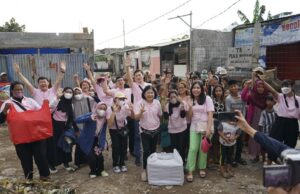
(108,100)
(28,103)
(288,112)
(200,112)
(120,117)
(137,91)
(39,96)
(60,116)
(125,91)
(150,119)
(176,123)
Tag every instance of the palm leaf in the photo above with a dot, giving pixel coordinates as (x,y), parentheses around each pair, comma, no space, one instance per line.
(256,11)
(243,17)
(262,11)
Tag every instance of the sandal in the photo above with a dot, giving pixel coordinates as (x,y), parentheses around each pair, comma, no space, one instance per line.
(189,178)
(202,174)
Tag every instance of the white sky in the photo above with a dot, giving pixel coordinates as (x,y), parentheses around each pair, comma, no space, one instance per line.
(105,17)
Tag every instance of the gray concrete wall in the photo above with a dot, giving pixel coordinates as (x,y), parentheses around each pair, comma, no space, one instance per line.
(210,49)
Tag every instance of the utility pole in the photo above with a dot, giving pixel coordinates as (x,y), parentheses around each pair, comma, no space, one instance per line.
(189,66)
(124,33)
(256,45)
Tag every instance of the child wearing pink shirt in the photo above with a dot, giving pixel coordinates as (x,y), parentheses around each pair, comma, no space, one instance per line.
(175,111)
(148,111)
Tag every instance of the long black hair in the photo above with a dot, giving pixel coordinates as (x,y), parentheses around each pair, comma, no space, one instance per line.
(202,96)
(223,92)
(13,85)
(171,106)
(289,83)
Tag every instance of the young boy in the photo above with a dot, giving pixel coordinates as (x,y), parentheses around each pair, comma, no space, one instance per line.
(234,102)
(228,134)
(266,121)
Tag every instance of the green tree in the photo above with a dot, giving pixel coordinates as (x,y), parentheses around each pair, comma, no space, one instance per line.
(258,12)
(12,26)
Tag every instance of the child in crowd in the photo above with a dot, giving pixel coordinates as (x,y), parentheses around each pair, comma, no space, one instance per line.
(228,133)
(234,102)
(266,121)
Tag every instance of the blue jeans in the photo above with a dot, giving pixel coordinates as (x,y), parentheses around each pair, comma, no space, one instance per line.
(137,142)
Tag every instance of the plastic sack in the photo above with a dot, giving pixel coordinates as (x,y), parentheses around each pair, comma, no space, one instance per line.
(165,169)
(31,125)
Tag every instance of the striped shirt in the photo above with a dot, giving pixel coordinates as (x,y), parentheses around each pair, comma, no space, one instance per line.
(266,121)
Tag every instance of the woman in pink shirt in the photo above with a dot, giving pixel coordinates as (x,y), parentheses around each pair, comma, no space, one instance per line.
(286,127)
(116,117)
(201,111)
(175,111)
(26,151)
(148,111)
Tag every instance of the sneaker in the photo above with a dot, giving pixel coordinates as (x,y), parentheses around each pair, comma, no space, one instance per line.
(138,162)
(92,176)
(68,168)
(144,176)
(53,170)
(104,174)
(255,160)
(116,169)
(123,169)
(234,164)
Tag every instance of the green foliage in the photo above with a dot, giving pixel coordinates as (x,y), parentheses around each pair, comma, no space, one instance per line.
(258,12)
(99,58)
(12,26)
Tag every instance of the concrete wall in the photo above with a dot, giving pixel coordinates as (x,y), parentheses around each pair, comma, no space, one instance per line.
(83,42)
(210,49)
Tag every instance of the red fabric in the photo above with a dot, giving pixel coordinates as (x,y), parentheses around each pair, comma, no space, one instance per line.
(31,125)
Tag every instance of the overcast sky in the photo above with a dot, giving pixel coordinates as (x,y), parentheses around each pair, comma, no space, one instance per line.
(105,17)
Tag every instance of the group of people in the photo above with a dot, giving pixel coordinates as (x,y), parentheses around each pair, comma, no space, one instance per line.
(137,113)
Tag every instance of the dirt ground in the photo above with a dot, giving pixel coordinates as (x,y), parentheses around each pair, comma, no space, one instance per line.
(248,179)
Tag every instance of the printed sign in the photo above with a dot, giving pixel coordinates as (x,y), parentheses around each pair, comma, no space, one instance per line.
(240,57)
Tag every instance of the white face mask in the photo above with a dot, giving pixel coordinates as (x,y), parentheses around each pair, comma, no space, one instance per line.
(78,96)
(121,103)
(286,90)
(101,113)
(68,96)
(173,101)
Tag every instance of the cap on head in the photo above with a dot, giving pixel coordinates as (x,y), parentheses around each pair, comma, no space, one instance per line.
(3,73)
(120,95)
(259,70)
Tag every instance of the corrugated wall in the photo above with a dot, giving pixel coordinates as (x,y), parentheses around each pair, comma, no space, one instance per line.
(47,65)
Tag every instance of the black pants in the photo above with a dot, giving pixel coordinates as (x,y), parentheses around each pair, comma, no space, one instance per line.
(149,146)
(178,142)
(79,156)
(239,147)
(37,150)
(187,140)
(285,130)
(226,154)
(119,147)
(96,162)
(55,154)
(130,125)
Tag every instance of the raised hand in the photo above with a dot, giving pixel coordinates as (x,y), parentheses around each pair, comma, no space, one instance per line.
(63,66)
(16,68)
(86,66)
(76,76)
(142,108)
(127,61)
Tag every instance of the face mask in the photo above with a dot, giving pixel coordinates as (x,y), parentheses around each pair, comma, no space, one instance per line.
(19,94)
(101,113)
(173,101)
(286,90)
(78,96)
(68,96)
(121,103)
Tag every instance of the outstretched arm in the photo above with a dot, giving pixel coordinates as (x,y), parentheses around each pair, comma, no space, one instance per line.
(23,78)
(127,68)
(60,76)
(87,67)
(76,80)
